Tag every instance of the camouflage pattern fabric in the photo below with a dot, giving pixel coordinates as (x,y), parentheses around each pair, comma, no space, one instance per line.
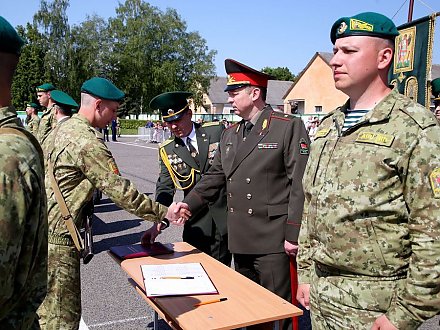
(23,228)
(33,125)
(81,163)
(372,212)
(47,123)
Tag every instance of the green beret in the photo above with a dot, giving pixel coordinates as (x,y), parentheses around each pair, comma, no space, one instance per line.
(31,105)
(10,41)
(172,105)
(63,100)
(364,24)
(45,87)
(103,89)
(435,84)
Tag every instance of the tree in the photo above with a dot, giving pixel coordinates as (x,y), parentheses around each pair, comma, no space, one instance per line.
(29,70)
(280,73)
(153,53)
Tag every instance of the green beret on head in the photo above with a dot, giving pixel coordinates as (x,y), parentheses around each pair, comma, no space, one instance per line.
(435,84)
(31,105)
(45,87)
(172,105)
(103,89)
(364,24)
(63,100)
(10,41)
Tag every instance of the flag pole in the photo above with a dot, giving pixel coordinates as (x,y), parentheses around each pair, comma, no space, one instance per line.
(410,10)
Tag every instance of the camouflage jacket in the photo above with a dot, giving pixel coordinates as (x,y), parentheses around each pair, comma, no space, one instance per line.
(23,227)
(47,123)
(33,124)
(373,203)
(82,162)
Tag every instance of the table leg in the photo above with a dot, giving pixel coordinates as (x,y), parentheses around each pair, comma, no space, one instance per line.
(156,321)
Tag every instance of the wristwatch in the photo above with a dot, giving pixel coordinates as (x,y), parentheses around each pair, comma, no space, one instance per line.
(165,223)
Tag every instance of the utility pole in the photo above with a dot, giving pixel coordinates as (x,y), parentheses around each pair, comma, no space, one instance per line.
(410,10)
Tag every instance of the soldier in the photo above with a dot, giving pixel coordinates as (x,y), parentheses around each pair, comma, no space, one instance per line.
(63,106)
(184,158)
(23,212)
(32,119)
(47,122)
(436,92)
(260,161)
(80,163)
(369,254)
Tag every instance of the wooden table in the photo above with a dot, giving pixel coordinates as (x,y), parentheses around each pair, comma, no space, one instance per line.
(248,303)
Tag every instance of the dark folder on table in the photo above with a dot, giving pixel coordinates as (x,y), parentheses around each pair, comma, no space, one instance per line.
(137,250)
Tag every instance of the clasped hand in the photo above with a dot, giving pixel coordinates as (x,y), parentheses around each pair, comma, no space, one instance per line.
(178,213)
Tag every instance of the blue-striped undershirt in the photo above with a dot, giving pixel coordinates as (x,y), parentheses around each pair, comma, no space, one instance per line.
(352,117)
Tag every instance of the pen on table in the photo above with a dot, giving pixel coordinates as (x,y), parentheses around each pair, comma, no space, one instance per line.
(177,277)
(210,302)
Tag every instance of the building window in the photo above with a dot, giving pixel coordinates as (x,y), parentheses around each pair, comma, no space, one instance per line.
(318,108)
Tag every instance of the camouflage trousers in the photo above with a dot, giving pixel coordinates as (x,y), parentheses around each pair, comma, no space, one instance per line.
(343,302)
(61,309)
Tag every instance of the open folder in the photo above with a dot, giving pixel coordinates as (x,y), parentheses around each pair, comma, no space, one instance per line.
(176,280)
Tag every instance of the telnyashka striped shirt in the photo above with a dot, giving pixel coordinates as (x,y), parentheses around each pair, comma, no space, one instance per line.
(352,117)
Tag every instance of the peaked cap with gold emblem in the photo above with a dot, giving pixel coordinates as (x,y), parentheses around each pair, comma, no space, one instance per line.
(172,105)
(240,75)
(364,24)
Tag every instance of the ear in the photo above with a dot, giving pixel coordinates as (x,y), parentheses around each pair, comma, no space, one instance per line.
(255,94)
(98,106)
(384,58)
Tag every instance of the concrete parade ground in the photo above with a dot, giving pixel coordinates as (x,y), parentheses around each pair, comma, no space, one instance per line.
(108,299)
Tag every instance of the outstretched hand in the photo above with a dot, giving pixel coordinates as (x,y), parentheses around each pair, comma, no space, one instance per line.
(150,234)
(178,213)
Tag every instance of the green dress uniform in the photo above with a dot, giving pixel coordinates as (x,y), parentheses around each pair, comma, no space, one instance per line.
(33,124)
(262,175)
(206,229)
(23,227)
(370,237)
(81,162)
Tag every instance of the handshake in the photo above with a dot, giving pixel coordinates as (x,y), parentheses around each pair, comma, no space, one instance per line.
(177,214)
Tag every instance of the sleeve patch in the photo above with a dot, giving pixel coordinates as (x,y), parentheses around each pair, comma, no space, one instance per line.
(113,167)
(434,178)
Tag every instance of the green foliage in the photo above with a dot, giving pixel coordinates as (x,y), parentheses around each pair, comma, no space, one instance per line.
(280,73)
(143,50)
(132,123)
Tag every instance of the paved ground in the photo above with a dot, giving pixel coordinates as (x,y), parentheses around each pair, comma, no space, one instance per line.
(109,301)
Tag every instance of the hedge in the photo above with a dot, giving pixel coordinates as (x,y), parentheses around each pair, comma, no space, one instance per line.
(132,123)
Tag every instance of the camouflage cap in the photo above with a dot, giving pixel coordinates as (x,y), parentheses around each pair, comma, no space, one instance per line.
(47,87)
(103,89)
(435,84)
(172,105)
(10,41)
(63,100)
(364,24)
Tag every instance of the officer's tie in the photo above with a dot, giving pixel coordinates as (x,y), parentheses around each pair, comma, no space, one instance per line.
(247,128)
(192,150)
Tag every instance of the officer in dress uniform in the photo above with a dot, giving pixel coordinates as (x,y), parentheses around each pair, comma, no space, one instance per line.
(435,84)
(184,159)
(260,161)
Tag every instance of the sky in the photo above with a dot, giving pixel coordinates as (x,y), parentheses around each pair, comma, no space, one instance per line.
(259,33)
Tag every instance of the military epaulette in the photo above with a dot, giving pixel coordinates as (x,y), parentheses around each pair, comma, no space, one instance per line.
(281,115)
(211,123)
(166,142)
(234,125)
(423,117)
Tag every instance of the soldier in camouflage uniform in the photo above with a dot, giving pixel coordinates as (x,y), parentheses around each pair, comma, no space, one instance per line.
(23,212)
(369,254)
(182,164)
(32,119)
(81,163)
(47,121)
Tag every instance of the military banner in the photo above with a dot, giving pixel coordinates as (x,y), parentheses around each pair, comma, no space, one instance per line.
(411,67)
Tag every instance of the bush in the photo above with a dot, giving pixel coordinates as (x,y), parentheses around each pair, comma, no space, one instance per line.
(132,123)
